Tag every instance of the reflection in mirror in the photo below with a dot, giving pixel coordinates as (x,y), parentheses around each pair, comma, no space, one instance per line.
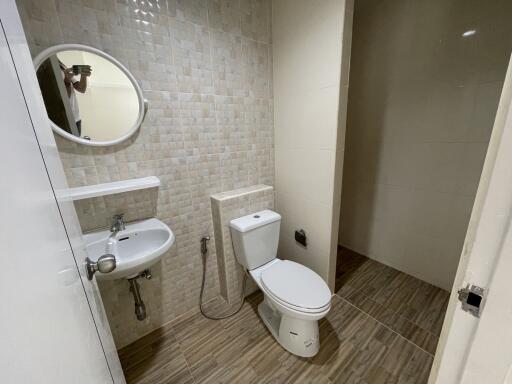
(88,96)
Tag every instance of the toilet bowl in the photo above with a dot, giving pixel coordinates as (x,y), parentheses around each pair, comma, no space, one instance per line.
(295,297)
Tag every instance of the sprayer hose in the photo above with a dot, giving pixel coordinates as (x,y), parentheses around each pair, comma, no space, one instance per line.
(204,253)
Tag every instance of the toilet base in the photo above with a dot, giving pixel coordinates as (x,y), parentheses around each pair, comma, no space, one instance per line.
(297,336)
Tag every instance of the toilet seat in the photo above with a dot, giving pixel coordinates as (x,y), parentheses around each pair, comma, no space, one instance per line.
(296,286)
(295,309)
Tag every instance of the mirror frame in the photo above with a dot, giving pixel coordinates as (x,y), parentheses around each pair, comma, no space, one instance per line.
(143,104)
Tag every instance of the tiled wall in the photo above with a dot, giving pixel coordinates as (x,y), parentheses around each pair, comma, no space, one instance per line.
(205,67)
(309,45)
(97,212)
(422,101)
(227,206)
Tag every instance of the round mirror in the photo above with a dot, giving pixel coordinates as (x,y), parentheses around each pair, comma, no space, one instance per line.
(90,97)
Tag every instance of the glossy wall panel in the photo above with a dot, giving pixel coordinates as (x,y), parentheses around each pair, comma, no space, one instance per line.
(310,40)
(425,82)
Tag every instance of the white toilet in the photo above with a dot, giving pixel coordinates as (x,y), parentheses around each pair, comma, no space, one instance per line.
(295,296)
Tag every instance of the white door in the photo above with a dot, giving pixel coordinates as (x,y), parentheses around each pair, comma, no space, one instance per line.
(476,350)
(27,78)
(47,331)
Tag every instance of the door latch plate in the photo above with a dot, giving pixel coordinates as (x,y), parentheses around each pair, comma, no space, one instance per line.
(471,298)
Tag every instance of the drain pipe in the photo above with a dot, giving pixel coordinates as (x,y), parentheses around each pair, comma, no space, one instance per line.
(140,307)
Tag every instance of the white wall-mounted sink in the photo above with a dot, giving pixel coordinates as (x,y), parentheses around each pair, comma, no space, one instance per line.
(136,248)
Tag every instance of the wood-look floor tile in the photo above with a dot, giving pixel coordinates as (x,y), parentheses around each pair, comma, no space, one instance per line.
(356,355)
(361,277)
(405,289)
(415,306)
(154,359)
(362,339)
(407,305)
(147,346)
(377,286)
(407,363)
(222,353)
(418,369)
(353,296)
(432,316)
(227,351)
(169,373)
(419,336)
(241,373)
(267,357)
(195,329)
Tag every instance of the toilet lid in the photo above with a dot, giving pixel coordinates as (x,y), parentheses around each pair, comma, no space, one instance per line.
(296,284)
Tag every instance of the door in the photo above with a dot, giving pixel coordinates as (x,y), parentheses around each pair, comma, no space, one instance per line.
(476,350)
(29,85)
(47,331)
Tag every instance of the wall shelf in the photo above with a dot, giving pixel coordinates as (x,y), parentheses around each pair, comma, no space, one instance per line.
(89,191)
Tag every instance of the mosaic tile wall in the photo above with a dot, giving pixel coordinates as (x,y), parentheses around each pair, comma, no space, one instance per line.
(96,213)
(205,67)
(227,206)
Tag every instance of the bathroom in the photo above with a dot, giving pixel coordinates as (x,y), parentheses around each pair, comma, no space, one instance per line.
(354,132)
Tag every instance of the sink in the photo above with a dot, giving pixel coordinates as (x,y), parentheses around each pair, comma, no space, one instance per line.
(136,248)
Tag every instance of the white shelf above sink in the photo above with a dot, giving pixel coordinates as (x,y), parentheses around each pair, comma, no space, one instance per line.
(89,191)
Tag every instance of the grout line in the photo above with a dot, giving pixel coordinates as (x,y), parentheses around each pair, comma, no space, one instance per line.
(380,322)
(183,355)
(218,130)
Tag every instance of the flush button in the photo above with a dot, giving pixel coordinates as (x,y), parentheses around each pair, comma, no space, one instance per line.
(256,216)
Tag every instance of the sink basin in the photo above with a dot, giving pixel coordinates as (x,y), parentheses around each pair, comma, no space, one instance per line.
(137,248)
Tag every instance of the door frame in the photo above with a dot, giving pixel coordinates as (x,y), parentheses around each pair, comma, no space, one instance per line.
(487,233)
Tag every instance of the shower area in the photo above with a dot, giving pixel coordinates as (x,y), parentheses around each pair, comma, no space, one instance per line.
(425,83)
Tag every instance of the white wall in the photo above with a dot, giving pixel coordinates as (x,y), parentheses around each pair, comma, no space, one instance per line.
(307,38)
(422,102)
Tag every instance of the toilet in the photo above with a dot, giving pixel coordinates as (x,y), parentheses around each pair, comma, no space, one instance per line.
(295,297)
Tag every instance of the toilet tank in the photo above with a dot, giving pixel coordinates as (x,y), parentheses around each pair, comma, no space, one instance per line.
(255,238)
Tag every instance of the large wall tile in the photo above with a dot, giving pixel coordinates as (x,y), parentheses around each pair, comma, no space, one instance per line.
(306,129)
(308,38)
(422,102)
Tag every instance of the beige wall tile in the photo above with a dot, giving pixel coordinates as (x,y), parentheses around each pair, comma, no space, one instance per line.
(227,206)
(204,66)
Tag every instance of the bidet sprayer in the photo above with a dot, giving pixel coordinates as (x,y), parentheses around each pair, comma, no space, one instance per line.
(204,244)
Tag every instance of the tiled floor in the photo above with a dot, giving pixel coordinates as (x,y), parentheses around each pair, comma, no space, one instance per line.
(409,306)
(355,346)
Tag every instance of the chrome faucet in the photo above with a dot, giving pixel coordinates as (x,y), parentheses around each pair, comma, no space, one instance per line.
(117,223)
